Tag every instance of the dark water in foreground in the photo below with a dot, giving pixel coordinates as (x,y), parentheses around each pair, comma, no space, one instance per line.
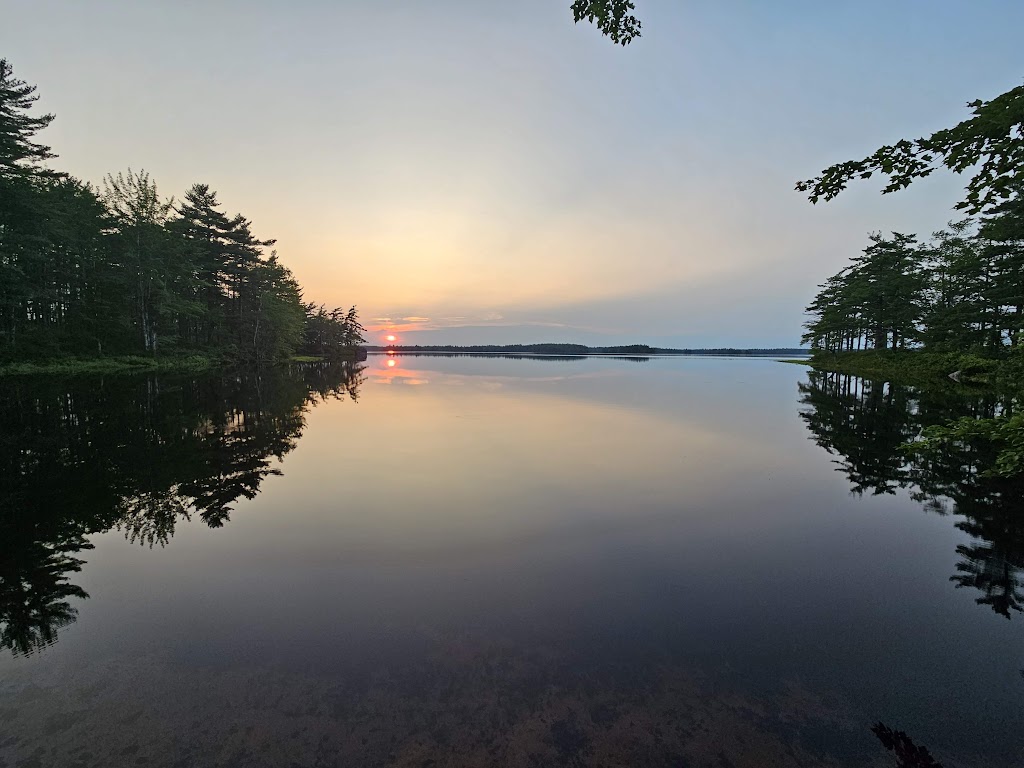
(477,561)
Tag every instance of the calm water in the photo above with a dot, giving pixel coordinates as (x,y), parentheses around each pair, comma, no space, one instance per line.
(474,561)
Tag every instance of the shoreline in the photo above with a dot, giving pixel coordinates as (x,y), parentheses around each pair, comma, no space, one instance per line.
(131,364)
(919,367)
(126,364)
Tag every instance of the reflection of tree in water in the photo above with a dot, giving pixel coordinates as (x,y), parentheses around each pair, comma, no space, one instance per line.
(876,428)
(865,424)
(995,566)
(34,591)
(907,753)
(954,477)
(83,456)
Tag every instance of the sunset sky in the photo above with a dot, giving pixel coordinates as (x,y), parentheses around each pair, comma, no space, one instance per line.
(473,171)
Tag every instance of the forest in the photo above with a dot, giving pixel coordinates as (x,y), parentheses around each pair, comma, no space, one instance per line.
(960,291)
(949,307)
(118,270)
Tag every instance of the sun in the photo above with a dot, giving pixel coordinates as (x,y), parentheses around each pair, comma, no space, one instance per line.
(390,338)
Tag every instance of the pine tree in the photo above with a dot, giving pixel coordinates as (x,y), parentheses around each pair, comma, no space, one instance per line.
(125,270)
(21,205)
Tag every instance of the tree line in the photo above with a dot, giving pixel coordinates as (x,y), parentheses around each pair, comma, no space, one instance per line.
(963,290)
(960,291)
(118,269)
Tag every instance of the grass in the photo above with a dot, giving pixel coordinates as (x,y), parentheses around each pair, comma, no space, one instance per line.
(108,365)
(127,364)
(338,354)
(913,366)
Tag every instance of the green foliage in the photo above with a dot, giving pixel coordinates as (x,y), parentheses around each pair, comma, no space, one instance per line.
(961,300)
(957,304)
(124,271)
(873,303)
(331,333)
(958,299)
(991,142)
(961,292)
(110,365)
(1003,436)
(613,17)
(20,156)
(911,366)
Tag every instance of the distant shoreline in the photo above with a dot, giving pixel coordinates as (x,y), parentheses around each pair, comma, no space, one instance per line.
(581,350)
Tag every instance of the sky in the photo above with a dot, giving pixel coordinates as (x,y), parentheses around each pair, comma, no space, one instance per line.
(475,171)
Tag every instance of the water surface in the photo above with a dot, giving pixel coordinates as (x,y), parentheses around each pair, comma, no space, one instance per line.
(481,561)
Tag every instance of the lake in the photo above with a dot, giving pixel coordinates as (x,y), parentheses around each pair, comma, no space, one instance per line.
(472,561)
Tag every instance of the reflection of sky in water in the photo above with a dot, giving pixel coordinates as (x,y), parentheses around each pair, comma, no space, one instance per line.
(656,544)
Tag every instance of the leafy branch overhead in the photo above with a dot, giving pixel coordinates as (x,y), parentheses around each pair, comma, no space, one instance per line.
(991,142)
(613,17)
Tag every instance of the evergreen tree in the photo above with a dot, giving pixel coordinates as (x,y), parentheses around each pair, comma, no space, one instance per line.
(328,333)
(125,270)
(953,300)
(1002,230)
(276,321)
(21,204)
(20,155)
(873,303)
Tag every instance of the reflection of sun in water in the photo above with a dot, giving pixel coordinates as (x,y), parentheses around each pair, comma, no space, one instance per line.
(394,371)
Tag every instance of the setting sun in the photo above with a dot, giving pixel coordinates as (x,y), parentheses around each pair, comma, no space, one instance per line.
(390,338)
